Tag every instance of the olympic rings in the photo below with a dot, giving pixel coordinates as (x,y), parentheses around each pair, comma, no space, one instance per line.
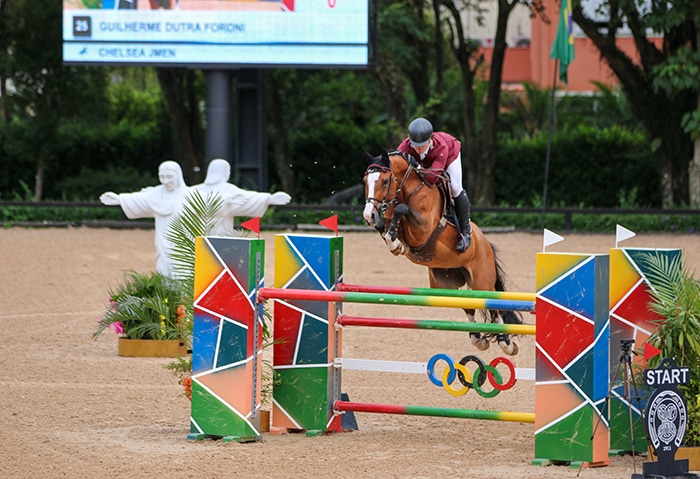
(479,364)
(511,368)
(463,372)
(431,365)
(477,385)
(469,381)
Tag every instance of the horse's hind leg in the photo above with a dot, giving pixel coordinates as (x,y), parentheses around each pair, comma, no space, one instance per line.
(504,340)
(478,340)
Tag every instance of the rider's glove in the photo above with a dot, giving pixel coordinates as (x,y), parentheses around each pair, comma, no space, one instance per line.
(413,162)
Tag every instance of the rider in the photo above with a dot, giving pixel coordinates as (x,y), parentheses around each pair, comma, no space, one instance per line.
(440,152)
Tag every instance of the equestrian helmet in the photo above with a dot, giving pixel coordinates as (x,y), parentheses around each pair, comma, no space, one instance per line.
(420,131)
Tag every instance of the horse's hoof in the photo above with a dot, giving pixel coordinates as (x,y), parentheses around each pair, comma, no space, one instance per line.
(511,349)
(480,343)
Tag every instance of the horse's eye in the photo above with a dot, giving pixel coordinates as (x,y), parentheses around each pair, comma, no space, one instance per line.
(385,182)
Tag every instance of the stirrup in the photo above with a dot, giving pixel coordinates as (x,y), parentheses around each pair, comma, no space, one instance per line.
(464,241)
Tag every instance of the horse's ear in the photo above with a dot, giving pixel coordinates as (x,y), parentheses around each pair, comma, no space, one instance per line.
(368,156)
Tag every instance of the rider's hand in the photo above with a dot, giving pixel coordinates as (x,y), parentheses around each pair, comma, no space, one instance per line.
(413,162)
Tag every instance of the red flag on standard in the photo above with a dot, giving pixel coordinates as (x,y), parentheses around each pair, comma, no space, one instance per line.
(331,223)
(252,225)
(649,352)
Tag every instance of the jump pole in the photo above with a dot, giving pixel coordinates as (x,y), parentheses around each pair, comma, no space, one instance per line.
(433,324)
(397,299)
(436,411)
(454,293)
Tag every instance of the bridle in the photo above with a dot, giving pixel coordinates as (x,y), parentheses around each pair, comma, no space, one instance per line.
(383,205)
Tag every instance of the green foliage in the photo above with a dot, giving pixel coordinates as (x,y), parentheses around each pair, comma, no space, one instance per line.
(586,165)
(676,298)
(288,216)
(90,184)
(197,218)
(148,306)
(75,215)
(330,116)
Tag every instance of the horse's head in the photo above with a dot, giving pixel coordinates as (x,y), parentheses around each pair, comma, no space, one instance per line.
(378,191)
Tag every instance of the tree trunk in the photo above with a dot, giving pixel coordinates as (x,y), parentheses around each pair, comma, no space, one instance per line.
(173,83)
(486,192)
(39,177)
(4,101)
(284,171)
(694,176)
(466,53)
(694,166)
(659,113)
(439,65)
(394,89)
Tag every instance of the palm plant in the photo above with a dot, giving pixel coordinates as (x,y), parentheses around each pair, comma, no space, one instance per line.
(146,306)
(676,298)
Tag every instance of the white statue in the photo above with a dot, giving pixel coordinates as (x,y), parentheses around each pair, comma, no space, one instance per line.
(239,202)
(161,202)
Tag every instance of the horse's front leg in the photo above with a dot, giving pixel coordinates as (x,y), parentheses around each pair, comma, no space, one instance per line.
(396,247)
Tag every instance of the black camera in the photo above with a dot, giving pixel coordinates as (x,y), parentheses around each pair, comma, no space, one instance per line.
(626,342)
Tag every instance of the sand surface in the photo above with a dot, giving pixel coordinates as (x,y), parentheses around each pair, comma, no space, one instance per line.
(72,408)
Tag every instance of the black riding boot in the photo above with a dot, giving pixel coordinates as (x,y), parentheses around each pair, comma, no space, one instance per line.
(462,213)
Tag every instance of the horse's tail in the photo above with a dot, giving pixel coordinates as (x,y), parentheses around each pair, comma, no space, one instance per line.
(509,317)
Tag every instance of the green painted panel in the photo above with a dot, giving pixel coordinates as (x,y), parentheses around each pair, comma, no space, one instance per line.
(215,418)
(620,423)
(568,439)
(303,394)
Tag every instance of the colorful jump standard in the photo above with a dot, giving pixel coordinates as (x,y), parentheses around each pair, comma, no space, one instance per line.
(435,411)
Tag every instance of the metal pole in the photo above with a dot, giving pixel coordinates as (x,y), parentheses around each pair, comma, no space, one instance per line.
(549,142)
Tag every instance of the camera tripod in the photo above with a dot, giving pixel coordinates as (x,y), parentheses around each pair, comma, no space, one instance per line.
(624,370)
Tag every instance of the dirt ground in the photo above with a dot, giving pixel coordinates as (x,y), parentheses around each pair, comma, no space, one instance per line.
(72,408)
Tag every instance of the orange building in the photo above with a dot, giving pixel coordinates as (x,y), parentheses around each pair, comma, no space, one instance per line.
(530,62)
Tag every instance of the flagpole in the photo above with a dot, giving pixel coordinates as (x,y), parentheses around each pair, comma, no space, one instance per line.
(549,142)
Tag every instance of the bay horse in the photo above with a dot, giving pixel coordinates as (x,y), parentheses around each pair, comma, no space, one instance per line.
(409,213)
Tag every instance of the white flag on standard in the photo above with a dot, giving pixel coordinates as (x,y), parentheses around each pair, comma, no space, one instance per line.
(550,238)
(622,234)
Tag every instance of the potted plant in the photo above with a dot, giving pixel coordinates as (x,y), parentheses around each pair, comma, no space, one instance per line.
(676,298)
(154,307)
(149,312)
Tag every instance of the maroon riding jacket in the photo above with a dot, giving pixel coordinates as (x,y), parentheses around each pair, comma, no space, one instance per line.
(442,153)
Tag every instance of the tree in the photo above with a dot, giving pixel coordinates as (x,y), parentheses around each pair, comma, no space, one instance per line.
(46,92)
(180,88)
(661,110)
(680,73)
(479,149)
(402,62)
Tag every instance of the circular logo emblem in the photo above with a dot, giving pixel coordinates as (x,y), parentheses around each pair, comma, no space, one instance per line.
(666,419)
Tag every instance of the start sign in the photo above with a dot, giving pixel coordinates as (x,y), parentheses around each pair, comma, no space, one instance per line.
(661,377)
(666,419)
